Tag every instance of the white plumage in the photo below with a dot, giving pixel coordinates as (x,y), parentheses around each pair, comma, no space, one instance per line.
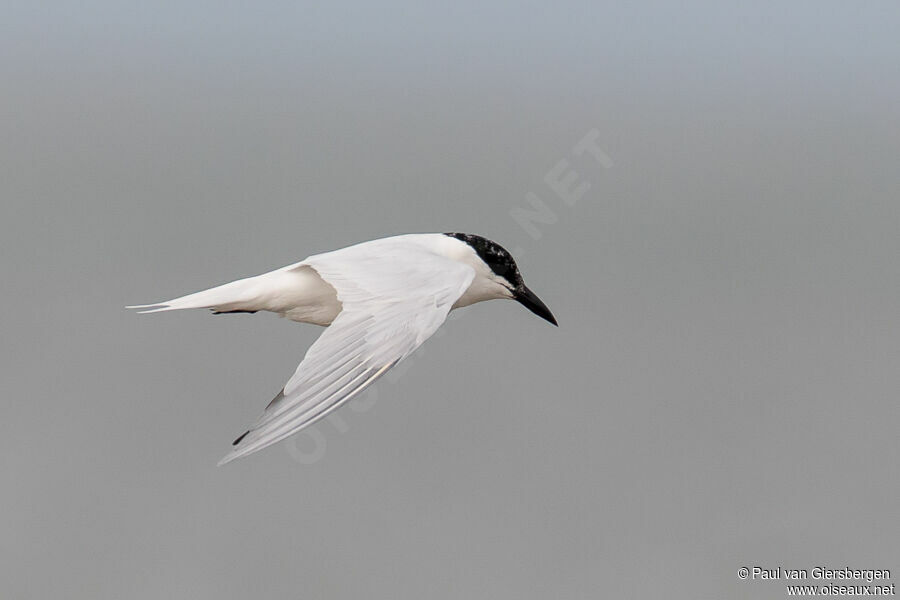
(380,300)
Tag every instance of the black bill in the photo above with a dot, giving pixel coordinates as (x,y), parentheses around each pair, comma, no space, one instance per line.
(529,300)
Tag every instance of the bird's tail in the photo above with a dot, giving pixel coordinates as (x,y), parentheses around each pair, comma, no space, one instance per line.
(240,295)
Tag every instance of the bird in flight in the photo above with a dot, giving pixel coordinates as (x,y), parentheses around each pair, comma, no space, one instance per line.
(380,300)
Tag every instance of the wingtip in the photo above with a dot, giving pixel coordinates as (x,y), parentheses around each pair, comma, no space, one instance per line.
(235,452)
(233,455)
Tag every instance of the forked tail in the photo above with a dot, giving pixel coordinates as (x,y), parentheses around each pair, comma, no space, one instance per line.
(237,296)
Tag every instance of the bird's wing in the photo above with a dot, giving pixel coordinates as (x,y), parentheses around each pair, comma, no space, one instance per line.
(392,303)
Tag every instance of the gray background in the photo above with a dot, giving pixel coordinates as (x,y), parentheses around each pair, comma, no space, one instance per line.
(722,390)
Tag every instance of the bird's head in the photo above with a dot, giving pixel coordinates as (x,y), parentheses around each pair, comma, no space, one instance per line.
(504,275)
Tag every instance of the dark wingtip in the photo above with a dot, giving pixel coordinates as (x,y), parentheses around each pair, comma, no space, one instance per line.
(238,441)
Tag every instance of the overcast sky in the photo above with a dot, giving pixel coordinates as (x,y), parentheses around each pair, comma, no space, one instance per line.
(721,391)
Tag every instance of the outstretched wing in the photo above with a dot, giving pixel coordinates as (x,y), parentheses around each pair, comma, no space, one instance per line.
(393,300)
